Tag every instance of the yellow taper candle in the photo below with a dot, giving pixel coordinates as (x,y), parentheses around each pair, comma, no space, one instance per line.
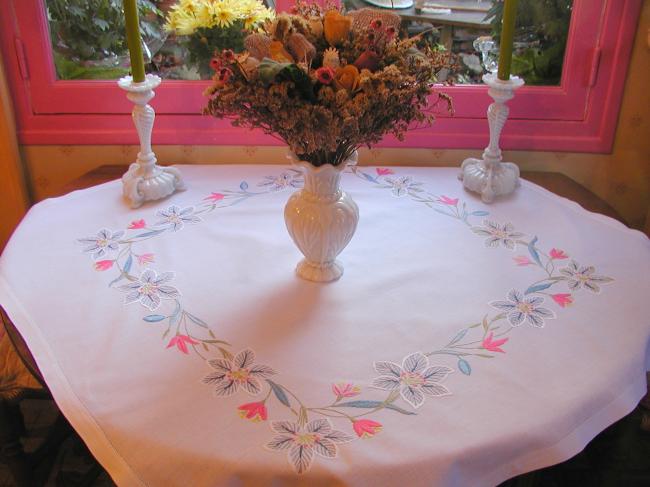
(133,40)
(507,35)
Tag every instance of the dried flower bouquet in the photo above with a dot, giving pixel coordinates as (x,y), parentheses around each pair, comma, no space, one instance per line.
(327,83)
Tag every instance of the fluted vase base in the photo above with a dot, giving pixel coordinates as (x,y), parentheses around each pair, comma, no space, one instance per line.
(315,272)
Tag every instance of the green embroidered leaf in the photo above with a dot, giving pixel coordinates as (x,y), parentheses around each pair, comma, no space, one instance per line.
(149,234)
(196,320)
(486,326)
(373,405)
(539,287)
(226,354)
(205,347)
(216,341)
(459,336)
(398,409)
(533,252)
(361,404)
(128,264)
(279,393)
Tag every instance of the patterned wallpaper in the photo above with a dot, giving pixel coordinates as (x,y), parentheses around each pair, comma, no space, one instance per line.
(621,178)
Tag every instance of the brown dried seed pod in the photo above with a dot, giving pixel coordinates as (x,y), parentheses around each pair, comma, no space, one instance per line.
(258,45)
(363,17)
(300,48)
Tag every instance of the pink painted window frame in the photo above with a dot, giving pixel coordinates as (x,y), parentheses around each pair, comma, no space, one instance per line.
(579,115)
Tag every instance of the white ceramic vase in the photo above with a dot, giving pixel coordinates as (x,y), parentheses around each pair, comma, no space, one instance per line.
(321,219)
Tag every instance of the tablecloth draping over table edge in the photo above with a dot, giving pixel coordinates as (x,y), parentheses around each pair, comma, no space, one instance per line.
(85,424)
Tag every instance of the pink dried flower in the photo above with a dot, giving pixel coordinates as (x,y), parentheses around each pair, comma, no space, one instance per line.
(225,74)
(376,24)
(325,75)
(228,55)
(216,64)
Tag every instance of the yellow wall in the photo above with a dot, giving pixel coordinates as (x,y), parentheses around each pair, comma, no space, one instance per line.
(621,178)
(14,198)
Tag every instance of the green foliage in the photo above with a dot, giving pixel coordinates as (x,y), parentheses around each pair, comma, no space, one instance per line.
(204,42)
(94,29)
(67,69)
(545,25)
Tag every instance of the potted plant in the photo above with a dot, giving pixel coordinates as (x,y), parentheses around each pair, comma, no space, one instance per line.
(203,26)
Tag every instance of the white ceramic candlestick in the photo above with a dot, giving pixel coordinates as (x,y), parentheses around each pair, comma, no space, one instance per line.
(145,180)
(490,176)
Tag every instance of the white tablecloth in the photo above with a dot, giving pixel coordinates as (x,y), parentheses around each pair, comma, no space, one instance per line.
(464,344)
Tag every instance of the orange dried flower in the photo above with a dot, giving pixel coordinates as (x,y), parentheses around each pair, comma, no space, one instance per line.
(336,27)
(347,77)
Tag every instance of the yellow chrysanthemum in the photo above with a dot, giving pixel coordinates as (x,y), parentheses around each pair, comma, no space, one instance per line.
(189,15)
(222,15)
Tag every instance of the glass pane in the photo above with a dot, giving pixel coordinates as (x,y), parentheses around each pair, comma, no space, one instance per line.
(89,41)
(468,26)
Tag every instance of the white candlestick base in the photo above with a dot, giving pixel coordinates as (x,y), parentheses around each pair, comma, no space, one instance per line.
(145,180)
(489,176)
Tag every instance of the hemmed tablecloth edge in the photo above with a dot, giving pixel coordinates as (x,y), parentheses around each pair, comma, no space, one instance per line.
(577,439)
(69,404)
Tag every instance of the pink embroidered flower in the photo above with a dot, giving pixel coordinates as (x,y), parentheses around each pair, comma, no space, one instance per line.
(255,411)
(103,265)
(214,197)
(558,254)
(145,259)
(445,200)
(366,428)
(384,171)
(137,224)
(522,260)
(343,389)
(563,299)
(180,342)
(493,345)
(241,371)
(325,75)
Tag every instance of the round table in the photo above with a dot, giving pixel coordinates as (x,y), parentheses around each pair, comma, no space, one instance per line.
(465,344)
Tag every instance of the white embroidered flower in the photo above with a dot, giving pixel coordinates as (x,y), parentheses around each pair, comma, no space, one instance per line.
(498,234)
(239,372)
(583,277)
(316,437)
(403,185)
(175,218)
(284,180)
(413,378)
(149,289)
(520,308)
(102,243)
